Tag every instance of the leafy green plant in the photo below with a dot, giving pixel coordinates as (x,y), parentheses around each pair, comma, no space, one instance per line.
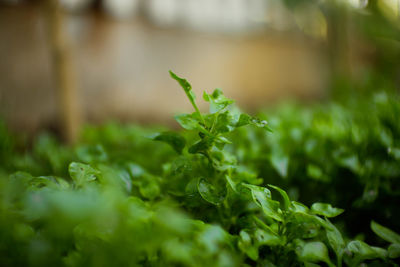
(340,153)
(137,196)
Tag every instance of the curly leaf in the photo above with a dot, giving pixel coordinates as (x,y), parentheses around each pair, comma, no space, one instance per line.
(217,100)
(262,197)
(82,173)
(285,197)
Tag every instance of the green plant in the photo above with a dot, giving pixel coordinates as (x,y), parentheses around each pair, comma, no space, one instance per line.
(341,153)
(129,196)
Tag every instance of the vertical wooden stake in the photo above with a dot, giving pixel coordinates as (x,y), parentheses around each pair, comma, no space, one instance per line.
(69,112)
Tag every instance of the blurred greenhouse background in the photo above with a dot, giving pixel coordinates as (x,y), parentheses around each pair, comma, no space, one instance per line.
(68,62)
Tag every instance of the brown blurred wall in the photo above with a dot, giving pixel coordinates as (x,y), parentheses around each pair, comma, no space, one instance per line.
(123,68)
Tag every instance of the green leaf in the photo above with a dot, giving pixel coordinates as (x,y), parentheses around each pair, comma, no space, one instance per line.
(325,209)
(217,101)
(245,245)
(246,119)
(280,163)
(188,90)
(298,207)
(285,197)
(363,251)
(268,238)
(314,252)
(224,123)
(149,189)
(395,152)
(212,238)
(190,122)
(82,173)
(260,123)
(62,183)
(315,172)
(48,181)
(262,197)
(385,233)
(233,184)
(352,162)
(264,226)
(187,87)
(222,140)
(394,251)
(201,146)
(335,239)
(89,154)
(175,140)
(210,193)
(306,225)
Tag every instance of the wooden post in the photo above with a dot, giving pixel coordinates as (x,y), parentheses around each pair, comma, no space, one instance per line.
(69,112)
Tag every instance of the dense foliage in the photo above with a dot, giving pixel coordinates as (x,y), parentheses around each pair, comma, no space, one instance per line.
(209,196)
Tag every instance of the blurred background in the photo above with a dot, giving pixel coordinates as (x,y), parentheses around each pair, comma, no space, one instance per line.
(64,63)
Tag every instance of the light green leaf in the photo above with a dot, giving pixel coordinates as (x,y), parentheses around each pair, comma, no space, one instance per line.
(188,90)
(62,183)
(363,251)
(280,163)
(201,146)
(82,173)
(394,251)
(233,184)
(246,119)
(175,140)
(210,193)
(264,226)
(314,252)
(315,172)
(385,233)
(245,245)
(187,87)
(335,239)
(212,237)
(262,197)
(189,122)
(47,181)
(260,123)
(217,100)
(268,238)
(285,197)
(89,154)
(224,123)
(325,209)
(149,188)
(298,207)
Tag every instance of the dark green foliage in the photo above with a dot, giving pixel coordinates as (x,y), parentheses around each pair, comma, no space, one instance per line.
(343,154)
(217,194)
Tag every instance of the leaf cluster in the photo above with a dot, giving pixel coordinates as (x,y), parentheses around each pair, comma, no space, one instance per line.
(135,196)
